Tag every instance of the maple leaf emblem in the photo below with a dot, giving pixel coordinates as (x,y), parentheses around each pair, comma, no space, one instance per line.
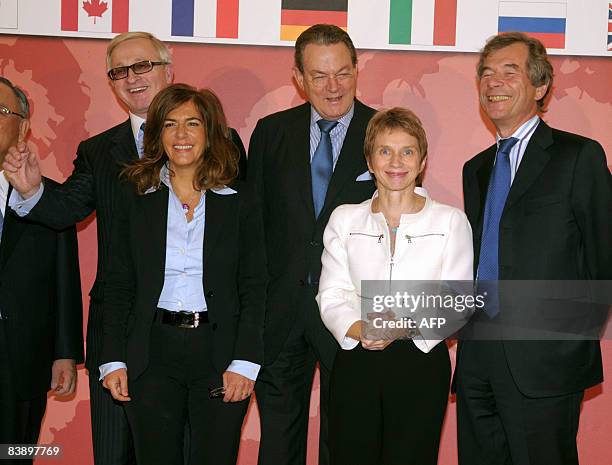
(95,8)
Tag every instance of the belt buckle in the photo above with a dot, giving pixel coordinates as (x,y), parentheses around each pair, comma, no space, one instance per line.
(196,320)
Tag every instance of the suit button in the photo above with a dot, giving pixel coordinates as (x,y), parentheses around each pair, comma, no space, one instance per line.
(302,282)
(214,326)
(210,294)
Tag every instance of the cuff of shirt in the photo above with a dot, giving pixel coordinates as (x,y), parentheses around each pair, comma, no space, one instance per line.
(23,206)
(107,368)
(247,369)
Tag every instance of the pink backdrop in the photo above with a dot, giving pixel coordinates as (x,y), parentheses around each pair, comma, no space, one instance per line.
(65,80)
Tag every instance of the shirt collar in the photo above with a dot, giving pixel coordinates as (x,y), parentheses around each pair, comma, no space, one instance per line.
(524,130)
(344,121)
(164,178)
(136,121)
(4,187)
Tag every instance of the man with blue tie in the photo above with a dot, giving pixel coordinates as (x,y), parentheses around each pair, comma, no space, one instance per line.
(138,66)
(41,315)
(539,203)
(304,162)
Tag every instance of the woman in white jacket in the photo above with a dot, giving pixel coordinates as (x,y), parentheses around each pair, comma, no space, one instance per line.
(388,396)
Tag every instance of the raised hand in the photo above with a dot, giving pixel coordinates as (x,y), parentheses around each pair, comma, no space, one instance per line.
(22,169)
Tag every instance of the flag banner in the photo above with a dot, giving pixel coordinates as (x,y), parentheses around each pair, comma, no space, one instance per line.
(205,18)
(95,15)
(609,26)
(567,27)
(423,22)
(8,14)
(545,21)
(299,15)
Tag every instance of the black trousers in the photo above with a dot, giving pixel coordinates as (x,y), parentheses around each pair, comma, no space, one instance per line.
(20,418)
(111,436)
(174,390)
(387,407)
(498,425)
(283,392)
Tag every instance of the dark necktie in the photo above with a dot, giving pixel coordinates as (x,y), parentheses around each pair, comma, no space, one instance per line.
(322,165)
(1,223)
(140,140)
(499,186)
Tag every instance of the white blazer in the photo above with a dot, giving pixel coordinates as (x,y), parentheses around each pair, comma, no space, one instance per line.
(433,244)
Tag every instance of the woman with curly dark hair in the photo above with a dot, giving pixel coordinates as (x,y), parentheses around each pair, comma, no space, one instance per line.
(185,289)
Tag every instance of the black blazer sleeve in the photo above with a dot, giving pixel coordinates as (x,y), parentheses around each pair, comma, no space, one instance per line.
(63,205)
(120,281)
(69,304)
(252,279)
(592,207)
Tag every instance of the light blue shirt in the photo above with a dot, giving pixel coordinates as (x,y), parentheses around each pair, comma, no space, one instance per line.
(337,134)
(523,134)
(183,290)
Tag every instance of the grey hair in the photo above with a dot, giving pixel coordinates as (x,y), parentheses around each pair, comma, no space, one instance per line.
(21,97)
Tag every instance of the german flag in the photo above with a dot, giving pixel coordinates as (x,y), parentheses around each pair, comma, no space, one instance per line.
(299,15)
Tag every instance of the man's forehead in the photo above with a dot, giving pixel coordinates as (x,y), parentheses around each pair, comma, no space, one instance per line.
(133,50)
(7,96)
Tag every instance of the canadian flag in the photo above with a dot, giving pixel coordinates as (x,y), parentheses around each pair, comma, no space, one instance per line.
(95,15)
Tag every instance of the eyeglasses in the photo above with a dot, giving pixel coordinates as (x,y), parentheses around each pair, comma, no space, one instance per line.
(4,111)
(321,80)
(140,67)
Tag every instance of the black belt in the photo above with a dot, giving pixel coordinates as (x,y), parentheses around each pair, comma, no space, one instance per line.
(181,319)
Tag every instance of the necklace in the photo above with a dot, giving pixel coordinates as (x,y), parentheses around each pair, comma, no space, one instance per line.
(185,204)
(393,229)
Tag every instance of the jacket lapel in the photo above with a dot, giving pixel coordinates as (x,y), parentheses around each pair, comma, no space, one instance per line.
(123,149)
(481,184)
(12,230)
(534,160)
(216,216)
(298,143)
(152,223)
(351,161)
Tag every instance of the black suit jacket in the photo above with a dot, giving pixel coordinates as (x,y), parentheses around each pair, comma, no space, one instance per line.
(93,186)
(556,225)
(40,301)
(234,276)
(279,168)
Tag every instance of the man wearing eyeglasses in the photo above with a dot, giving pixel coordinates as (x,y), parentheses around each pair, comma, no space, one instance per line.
(304,162)
(139,66)
(41,325)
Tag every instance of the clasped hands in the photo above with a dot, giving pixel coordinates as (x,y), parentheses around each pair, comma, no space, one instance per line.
(377,336)
(236,387)
(22,169)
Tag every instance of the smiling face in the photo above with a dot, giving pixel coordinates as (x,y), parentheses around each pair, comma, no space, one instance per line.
(396,161)
(329,79)
(184,137)
(506,92)
(137,90)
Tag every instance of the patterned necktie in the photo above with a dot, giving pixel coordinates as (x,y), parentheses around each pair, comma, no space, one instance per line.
(322,165)
(140,140)
(499,186)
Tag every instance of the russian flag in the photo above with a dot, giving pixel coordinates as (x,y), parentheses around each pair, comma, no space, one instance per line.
(609,27)
(95,15)
(205,18)
(543,20)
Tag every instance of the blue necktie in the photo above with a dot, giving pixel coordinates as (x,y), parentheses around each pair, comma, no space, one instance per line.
(322,165)
(499,186)
(140,140)
(1,223)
